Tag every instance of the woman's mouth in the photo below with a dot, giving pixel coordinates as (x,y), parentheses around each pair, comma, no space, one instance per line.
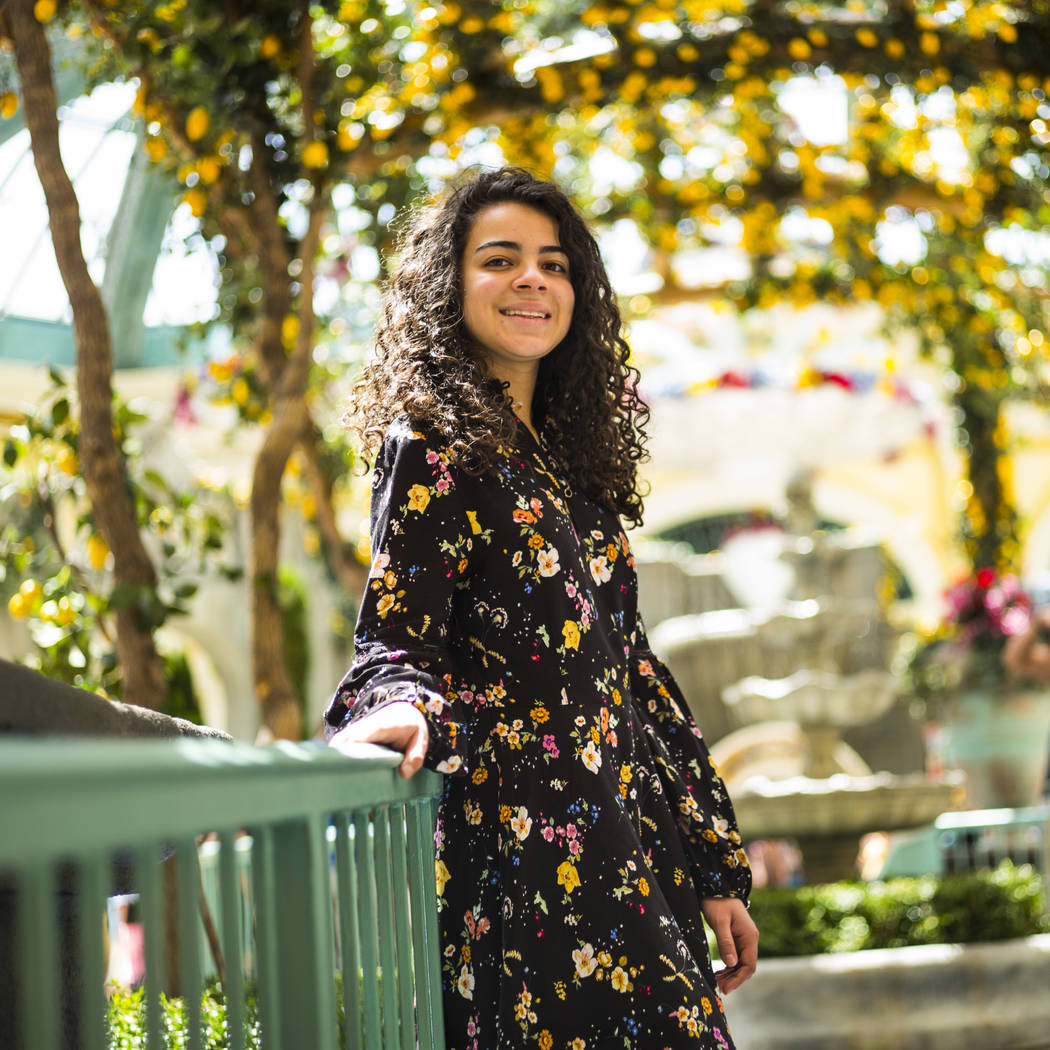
(535,315)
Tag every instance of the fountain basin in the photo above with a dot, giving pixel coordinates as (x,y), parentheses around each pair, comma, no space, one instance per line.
(819,698)
(841,804)
(924,997)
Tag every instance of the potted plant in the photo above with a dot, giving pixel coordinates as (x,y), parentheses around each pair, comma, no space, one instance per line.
(982,679)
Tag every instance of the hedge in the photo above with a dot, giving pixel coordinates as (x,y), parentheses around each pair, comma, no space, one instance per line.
(994,905)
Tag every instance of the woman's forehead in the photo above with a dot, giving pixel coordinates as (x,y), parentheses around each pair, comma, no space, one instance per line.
(514,222)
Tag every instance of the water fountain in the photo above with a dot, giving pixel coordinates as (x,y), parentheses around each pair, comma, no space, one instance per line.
(789,771)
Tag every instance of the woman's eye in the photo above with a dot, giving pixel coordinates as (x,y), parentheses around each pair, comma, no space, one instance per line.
(557,267)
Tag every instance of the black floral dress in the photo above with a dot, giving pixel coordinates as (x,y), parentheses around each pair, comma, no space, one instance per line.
(582,819)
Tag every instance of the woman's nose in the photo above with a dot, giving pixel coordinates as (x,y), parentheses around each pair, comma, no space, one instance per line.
(531,276)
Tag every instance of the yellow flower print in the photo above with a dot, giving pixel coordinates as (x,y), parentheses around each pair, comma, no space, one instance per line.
(539,714)
(643,887)
(505,813)
(386,603)
(545,1040)
(536,541)
(605,959)
(472,517)
(568,876)
(571,634)
(578,1044)
(480,775)
(705,1004)
(441,876)
(418,498)
(619,980)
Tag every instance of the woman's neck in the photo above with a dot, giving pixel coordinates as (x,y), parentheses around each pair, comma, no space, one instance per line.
(520,387)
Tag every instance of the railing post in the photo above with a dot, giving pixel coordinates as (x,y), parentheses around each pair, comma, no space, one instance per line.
(305,957)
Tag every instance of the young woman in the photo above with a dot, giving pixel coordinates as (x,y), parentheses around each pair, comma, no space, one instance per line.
(583,833)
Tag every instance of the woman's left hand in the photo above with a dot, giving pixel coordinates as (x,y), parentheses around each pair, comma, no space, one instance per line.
(737,938)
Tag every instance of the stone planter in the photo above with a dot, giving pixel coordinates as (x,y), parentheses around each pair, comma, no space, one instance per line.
(928,997)
(1001,741)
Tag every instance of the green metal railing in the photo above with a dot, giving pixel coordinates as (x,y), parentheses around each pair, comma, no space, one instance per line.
(340,867)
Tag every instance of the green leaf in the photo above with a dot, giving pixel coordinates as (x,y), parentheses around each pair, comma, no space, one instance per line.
(60,411)
(56,376)
(124,595)
(185,590)
(10,453)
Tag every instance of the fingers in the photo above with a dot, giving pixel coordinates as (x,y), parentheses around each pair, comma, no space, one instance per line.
(398,725)
(737,939)
(415,752)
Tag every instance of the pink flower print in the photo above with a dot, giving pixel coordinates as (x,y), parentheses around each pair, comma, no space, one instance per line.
(570,589)
(471,1028)
(550,745)
(432,458)
(537,507)
(548,833)
(442,484)
(570,831)
(574,847)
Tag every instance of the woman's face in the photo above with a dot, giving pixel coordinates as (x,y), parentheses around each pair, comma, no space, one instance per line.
(517,295)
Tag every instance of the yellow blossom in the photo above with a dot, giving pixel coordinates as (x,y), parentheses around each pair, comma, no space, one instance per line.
(418,498)
(441,876)
(197,123)
(315,155)
(568,876)
(98,552)
(571,633)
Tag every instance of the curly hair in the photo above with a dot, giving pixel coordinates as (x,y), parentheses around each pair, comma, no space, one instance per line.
(426,366)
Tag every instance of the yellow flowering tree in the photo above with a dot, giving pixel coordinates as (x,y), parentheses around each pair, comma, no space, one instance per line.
(920,184)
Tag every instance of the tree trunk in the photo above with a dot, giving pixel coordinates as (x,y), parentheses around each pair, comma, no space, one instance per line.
(339,554)
(274,691)
(100,456)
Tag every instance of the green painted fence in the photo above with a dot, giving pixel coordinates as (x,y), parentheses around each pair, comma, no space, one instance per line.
(329,860)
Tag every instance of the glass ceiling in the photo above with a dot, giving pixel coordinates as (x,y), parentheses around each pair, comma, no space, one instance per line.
(97,138)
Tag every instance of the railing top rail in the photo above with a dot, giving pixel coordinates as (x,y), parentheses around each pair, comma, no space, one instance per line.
(70,796)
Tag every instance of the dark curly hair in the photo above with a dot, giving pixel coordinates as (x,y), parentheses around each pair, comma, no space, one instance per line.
(427,367)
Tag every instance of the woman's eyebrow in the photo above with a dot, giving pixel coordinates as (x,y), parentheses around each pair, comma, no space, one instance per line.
(515,246)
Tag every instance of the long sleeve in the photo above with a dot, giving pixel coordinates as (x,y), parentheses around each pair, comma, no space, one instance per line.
(689,777)
(421,544)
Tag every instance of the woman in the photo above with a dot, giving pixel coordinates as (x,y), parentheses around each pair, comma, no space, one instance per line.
(583,831)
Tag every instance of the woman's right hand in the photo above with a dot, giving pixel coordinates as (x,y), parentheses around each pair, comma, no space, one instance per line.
(401,725)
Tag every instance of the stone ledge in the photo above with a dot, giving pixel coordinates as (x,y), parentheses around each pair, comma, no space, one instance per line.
(926,997)
(31,703)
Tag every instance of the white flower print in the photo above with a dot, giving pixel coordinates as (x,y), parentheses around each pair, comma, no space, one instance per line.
(600,569)
(548,562)
(591,757)
(521,825)
(585,961)
(465,983)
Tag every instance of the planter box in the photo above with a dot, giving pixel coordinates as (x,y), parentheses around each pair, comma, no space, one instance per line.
(927,997)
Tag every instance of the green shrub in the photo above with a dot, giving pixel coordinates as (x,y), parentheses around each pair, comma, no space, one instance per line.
(126,1021)
(849,916)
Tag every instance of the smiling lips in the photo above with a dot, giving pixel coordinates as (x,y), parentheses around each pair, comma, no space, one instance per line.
(532,314)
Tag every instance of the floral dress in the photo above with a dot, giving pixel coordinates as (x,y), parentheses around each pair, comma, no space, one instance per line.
(581,819)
